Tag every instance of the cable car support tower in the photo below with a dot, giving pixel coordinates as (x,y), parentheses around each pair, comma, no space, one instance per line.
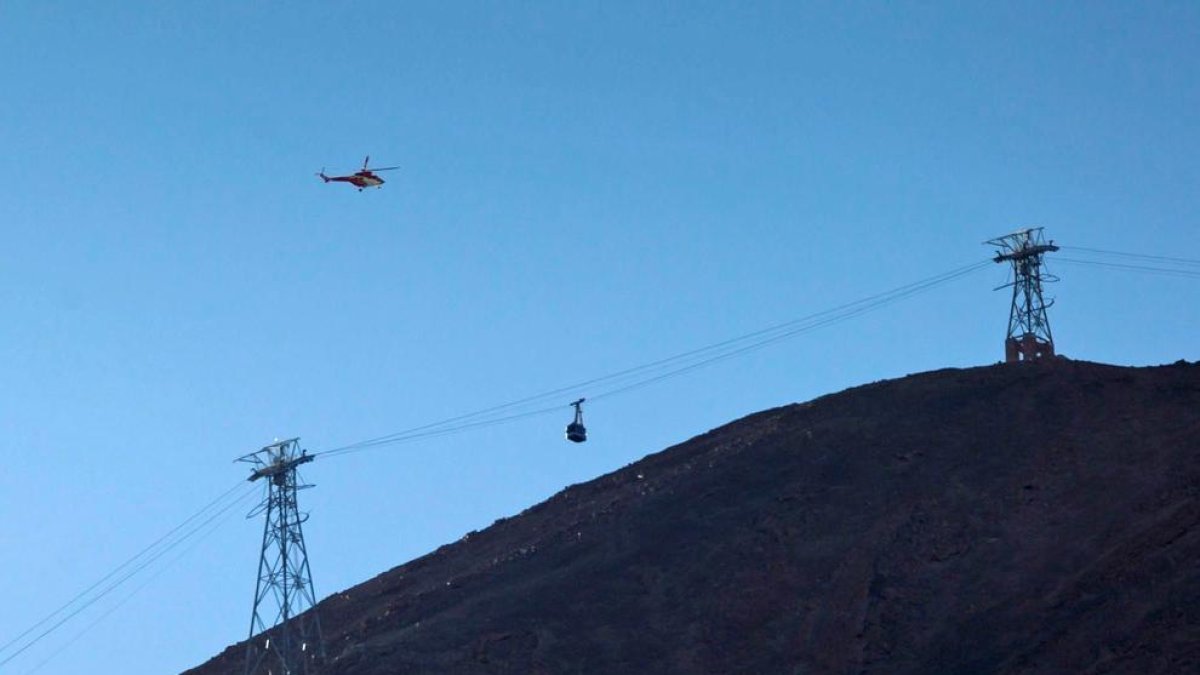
(1029,335)
(291,643)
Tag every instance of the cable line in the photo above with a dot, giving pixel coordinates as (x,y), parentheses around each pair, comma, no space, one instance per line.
(610,385)
(1138,256)
(655,371)
(201,524)
(847,312)
(138,563)
(213,525)
(433,433)
(1164,271)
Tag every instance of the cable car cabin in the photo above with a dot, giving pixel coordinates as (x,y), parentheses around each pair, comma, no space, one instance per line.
(576,432)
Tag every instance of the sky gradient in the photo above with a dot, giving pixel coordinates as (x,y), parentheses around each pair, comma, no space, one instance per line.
(585,187)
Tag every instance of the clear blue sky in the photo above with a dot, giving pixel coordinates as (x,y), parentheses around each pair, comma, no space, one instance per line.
(586,186)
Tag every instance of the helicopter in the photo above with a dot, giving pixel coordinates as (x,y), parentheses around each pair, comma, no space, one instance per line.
(364,178)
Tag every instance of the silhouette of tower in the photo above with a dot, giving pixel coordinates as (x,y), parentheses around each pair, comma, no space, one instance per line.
(291,643)
(1029,335)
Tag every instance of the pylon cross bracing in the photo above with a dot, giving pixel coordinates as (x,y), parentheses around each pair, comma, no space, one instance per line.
(285,632)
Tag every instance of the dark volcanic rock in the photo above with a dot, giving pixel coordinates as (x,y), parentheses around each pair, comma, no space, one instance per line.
(1030,518)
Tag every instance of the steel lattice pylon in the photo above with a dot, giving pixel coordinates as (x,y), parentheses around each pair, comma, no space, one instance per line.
(291,643)
(1029,335)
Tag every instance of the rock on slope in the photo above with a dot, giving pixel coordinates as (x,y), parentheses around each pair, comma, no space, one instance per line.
(1026,518)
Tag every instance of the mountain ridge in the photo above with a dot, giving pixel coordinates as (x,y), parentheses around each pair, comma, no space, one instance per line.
(1019,518)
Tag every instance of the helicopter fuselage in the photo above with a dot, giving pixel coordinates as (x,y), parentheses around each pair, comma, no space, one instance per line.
(365,179)
(360,180)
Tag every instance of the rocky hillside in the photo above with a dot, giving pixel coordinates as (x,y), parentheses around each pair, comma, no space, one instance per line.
(1025,518)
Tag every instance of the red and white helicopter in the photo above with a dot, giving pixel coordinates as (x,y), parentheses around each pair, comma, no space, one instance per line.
(363,179)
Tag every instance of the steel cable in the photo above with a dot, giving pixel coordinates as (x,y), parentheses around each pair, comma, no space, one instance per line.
(655,371)
(139,562)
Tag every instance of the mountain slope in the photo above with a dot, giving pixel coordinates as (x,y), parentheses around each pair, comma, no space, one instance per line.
(1025,518)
